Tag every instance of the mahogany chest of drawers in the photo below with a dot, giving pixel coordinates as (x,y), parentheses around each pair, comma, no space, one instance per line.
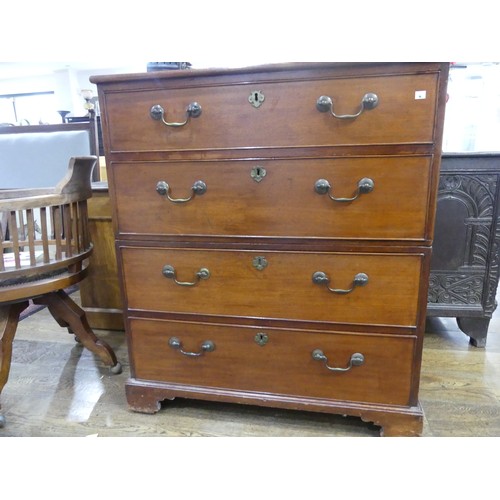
(273,233)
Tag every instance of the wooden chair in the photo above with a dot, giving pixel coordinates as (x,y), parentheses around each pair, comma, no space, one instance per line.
(45,246)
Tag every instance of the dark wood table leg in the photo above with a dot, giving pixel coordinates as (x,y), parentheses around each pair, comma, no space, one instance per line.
(9,318)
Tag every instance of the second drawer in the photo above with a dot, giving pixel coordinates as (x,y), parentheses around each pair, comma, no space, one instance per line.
(276,198)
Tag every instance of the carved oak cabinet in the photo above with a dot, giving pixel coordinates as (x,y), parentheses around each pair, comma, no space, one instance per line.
(273,230)
(465,261)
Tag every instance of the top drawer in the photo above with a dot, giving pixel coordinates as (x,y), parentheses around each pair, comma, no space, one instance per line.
(288,115)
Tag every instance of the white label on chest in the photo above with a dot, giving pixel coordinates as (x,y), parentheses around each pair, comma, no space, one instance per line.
(420,94)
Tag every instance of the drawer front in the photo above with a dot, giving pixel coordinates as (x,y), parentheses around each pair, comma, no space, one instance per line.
(274,284)
(276,198)
(287,117)
(282,365)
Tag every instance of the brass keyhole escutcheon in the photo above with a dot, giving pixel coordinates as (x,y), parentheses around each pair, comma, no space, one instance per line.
(258,173)
(261,338)
(259,263)
(256,98)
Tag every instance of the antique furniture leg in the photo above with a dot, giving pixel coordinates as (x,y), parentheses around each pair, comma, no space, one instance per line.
(67,313)
(475,328)
(409,424)
(9,318)
(147,397)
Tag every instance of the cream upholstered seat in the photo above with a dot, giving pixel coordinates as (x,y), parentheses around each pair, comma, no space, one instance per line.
(24,152)
(45,247)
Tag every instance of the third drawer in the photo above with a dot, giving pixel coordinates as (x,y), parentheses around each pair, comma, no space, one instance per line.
(335,287)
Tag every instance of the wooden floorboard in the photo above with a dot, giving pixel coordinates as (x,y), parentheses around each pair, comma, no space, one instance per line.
(57,388)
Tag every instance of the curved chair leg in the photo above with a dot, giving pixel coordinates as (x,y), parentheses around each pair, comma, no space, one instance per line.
(9,318)
(67,313)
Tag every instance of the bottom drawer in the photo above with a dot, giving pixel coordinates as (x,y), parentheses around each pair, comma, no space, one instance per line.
(271,360)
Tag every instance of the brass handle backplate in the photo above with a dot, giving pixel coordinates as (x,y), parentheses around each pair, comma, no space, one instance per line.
(365,185)
(169,272)
(158,113)
(206,346)
(324,104)
(198,188)
(357,359)
(321,278)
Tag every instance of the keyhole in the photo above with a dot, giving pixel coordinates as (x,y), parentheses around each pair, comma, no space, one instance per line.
(261,339)
(259,263)
(256,98)
(258,173)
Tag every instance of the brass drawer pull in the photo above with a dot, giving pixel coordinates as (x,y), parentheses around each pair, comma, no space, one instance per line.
(206,346)
(158,113)
(365,185)
(169,272)
(321,278)
(357,359)
(325,104)
(198,188)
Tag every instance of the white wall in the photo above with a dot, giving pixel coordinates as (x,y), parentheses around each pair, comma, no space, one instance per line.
(67,80)
(64,80)
(472,120)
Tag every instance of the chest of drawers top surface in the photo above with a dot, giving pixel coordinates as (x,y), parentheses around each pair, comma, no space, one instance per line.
(278,107)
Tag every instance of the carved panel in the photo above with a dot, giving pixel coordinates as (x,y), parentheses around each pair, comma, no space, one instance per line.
(457,288)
